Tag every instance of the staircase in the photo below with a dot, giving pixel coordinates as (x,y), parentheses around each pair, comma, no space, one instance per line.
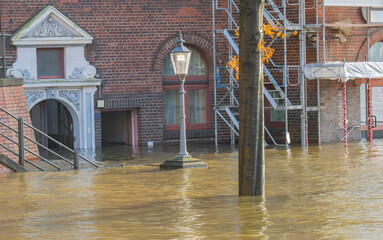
(275,91)
(44,159)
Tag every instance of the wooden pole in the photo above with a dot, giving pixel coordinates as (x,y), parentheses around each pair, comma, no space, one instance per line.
(251,115)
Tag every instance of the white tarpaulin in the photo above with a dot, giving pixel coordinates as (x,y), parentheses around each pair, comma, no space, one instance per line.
(344,71)
(354,3)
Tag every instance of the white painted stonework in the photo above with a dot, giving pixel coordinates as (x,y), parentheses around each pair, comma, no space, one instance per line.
(51,29)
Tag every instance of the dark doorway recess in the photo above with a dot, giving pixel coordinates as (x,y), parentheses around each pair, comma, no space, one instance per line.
(54,119)
(118,127)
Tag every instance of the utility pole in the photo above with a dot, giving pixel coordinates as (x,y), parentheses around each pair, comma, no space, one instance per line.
(251,101)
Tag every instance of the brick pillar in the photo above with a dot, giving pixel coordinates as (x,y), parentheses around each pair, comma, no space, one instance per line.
(13,100)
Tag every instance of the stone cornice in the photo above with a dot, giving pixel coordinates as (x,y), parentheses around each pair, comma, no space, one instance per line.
(9,82)
(62,83)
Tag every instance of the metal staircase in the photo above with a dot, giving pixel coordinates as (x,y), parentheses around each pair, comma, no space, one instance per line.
(275,89)
(51,160)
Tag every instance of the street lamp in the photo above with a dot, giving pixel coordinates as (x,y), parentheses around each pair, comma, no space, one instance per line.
(180,57)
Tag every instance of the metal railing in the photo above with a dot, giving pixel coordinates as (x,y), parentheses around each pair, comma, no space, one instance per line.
(22,148)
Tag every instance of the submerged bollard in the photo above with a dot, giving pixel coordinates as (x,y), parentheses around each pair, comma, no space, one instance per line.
(76,164)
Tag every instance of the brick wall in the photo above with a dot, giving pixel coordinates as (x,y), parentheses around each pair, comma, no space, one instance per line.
(353,50)
(131,40)
(332,110)
(12,99)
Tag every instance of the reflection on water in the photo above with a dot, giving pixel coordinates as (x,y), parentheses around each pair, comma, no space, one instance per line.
(315,193)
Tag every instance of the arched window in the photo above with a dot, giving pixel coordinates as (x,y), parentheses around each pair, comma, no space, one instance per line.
(375,53)
(196,97)
(197,65)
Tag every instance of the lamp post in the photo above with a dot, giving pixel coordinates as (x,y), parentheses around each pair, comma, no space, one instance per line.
(180,57)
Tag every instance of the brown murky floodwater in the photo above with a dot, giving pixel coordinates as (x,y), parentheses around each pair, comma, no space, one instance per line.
(318,193)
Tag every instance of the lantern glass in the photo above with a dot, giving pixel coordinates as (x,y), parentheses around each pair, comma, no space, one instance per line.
(181,61)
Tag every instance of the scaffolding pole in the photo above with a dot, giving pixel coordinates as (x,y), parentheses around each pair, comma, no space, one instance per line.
(302,55)
(369,111)
(276,14)
(345,113)
(215,82)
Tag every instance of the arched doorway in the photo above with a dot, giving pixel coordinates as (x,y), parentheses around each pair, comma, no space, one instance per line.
(54,119)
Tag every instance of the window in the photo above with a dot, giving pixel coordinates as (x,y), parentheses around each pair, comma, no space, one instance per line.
(197,106)
(197,109)
(277,115)
(171,107)
(372,14)
(197,65)
(375,53)
(50,63)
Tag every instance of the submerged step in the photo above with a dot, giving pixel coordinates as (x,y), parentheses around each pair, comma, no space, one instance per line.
(14,166)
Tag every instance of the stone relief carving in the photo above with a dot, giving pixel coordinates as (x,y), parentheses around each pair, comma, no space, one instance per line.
(50,28)
(86,72)
(76,74)
(33,96)
(89,72)
(51,93)
(73,96)
(19,73)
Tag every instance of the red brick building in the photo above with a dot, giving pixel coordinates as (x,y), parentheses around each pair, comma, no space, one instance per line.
(130,43)
(124,90)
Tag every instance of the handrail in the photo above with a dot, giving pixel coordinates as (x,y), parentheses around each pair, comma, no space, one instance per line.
(271,76)
(13,141)
(228,12)
(10,114)
(88,161)
(231,76)
(227,122)
(10,139)
(44,159)
(10,150)
(49,137)
(272,139)
(38,144)
(60,144)
(10,128)
(35,142)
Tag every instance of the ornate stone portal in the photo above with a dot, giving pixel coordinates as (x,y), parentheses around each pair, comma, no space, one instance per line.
(51,29)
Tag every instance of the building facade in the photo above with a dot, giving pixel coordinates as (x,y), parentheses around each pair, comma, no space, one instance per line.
(99,71)
(107,71)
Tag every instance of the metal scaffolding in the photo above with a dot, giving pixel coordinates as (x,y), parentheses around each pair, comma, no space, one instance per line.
(278,74)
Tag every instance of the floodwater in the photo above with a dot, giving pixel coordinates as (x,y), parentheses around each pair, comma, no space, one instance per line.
(321,192)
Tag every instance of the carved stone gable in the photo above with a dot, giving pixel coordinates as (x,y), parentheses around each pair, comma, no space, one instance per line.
(50,28)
